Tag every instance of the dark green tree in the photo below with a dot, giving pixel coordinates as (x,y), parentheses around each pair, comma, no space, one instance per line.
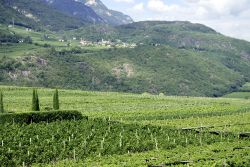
(1,103)
(56,100)
(35,101)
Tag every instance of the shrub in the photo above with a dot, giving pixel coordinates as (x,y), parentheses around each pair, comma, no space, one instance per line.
(162,94)
(56,100)
(27,39)
(46,45)
(36,117)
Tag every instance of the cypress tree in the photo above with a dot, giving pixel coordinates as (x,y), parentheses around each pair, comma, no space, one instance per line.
(56,100)
(1,103)
(35,101)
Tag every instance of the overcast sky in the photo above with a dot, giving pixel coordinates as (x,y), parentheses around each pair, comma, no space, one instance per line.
(229,17)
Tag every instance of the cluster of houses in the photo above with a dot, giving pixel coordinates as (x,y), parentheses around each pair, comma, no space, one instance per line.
(108,43)
(103,42)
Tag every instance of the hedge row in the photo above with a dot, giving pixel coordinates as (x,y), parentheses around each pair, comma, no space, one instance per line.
(36,117)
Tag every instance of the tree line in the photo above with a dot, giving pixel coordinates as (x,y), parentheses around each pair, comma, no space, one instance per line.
(35,101)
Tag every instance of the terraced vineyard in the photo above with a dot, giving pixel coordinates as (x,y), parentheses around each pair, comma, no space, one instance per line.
(128,130)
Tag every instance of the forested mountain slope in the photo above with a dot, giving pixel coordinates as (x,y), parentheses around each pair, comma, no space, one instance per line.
(175,58)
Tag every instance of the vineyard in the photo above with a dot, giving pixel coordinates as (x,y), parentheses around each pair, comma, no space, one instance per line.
(127,130)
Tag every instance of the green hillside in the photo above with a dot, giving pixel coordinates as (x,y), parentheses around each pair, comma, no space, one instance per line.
(174,58)
(243,92)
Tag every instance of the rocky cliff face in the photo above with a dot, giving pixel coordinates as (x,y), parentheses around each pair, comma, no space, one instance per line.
(76,9)
(109,16)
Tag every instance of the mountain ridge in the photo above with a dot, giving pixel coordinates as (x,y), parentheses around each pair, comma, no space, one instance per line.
(36,14)
(56,14)
(76,9)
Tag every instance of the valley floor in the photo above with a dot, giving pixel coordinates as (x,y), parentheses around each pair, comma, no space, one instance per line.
(129,130)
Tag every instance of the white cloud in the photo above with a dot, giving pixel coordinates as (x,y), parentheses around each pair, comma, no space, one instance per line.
(230,17)
(160,6)
(236,28)
(138,7)
(222,7)
(126,1)
(157,6)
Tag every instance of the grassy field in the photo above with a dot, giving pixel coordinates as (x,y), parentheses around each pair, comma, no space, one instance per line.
(244,95)
(136,108)
(18,50)
(167,130)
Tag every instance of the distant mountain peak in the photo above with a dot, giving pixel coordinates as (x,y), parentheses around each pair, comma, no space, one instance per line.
(59,14)
(76,9)
(52,14)
(109,16)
